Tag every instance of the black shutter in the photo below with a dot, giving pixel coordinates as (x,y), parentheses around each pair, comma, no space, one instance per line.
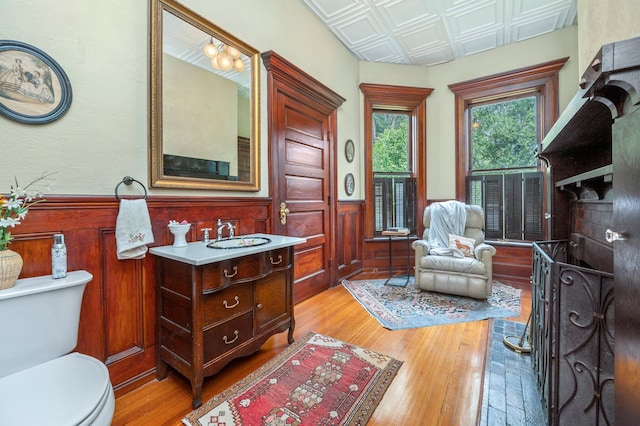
(410,204)
(394,202)
(533,193)
(513,206)
(493,206)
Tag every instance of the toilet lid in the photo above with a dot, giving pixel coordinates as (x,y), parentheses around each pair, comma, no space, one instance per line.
(63,391)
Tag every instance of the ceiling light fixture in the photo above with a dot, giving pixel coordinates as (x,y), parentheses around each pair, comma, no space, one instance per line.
(224,57)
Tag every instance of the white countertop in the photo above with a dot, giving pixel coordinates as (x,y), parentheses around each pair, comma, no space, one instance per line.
(197,253)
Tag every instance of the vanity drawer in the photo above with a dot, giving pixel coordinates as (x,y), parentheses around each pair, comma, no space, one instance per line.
(228,335)
(245,268)
(226,303)
(279,258)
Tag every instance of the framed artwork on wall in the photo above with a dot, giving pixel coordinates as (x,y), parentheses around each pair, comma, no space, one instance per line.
(349,184)
(349,150)
(34,89)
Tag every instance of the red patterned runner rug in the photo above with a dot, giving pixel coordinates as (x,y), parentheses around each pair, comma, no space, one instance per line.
(317,380)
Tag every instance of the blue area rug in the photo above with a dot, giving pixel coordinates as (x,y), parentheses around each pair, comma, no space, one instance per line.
(397,307)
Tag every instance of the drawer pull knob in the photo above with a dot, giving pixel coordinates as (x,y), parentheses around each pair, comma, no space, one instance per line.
(235,272)
(237,299)
(259,306)
(228,342)
(278,262)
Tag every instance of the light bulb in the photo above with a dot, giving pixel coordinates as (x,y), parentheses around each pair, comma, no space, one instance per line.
(211,50)
(214,63)
(225,61)
(235,53)
(238,65)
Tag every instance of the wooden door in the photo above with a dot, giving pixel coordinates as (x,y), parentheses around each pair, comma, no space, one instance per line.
(302,117)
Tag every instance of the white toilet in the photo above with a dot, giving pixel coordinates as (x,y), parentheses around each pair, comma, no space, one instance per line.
(41,383)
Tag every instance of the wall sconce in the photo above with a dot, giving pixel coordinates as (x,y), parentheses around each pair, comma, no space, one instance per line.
(224,57)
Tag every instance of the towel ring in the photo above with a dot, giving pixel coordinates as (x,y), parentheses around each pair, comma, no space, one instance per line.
(128,180)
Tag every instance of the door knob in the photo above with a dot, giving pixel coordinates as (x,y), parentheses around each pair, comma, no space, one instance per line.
(611,236)
(284,211)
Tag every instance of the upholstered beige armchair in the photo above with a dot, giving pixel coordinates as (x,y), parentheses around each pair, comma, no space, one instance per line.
(464,266)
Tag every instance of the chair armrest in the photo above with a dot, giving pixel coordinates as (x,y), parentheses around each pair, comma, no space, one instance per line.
(484,252)
(421,247)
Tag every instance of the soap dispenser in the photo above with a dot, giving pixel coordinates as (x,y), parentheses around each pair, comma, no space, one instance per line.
(58,257)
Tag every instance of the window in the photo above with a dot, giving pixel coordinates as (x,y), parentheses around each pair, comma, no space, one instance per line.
(500,122)
(395,156)
(393,181)
(503,177)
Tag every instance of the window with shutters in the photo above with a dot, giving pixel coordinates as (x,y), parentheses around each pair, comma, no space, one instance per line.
(395,156)
(500,122)
(393,182)
(503,178)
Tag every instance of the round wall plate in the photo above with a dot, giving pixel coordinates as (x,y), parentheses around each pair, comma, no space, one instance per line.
(349,150)
(349,184)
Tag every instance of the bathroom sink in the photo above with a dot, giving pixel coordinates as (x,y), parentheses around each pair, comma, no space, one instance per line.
(239,242)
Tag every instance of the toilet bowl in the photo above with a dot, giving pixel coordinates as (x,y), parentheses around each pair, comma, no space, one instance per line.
(41,383)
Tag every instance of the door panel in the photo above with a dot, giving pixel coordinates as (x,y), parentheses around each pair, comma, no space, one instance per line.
(304,188)
(305,184)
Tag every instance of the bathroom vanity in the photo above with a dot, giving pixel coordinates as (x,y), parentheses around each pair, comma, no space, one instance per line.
(218,304)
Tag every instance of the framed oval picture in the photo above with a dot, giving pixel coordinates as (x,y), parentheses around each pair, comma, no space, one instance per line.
(349,150)
(34,89)
(349,184)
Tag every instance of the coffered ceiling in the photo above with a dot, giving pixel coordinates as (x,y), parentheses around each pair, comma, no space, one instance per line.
(430,32)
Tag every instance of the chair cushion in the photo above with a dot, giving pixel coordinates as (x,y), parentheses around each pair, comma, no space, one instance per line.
(464,244)
(466,265)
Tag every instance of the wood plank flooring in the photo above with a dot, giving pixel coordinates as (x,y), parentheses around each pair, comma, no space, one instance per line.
(440,382)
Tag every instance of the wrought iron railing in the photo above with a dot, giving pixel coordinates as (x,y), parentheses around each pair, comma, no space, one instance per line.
(572,337)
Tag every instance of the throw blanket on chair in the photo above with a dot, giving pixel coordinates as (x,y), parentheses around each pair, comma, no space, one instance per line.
(447,217)
(133,229)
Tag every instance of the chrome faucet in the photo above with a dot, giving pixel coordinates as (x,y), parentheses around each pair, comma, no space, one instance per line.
(221,226)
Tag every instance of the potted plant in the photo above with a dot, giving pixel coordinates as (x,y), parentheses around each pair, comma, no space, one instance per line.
(13,209)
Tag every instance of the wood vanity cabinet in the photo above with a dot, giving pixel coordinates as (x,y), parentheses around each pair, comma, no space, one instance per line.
(210,314)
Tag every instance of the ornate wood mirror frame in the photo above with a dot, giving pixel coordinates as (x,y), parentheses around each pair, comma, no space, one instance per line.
(204,122)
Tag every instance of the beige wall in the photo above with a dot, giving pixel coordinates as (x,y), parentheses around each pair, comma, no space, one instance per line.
(103,47)
(601,22)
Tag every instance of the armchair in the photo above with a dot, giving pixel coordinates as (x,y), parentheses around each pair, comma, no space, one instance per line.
(465,275)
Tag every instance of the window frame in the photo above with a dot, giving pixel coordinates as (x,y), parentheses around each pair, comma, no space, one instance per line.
(541,80)
(411,100)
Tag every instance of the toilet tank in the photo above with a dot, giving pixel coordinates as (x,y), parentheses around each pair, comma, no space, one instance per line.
(39,320)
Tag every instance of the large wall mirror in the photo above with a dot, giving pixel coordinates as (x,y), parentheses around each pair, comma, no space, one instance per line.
(204,104)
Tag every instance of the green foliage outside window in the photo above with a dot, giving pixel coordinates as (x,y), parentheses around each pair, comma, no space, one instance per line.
(504,134)
(390,143)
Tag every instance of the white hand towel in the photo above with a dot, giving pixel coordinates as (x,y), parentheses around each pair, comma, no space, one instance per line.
(133,229)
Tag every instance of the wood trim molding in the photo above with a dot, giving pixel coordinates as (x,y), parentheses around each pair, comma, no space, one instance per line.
(298,80)
(399,98)
(541,78)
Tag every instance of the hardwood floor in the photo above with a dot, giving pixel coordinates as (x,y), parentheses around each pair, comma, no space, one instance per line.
(440,382)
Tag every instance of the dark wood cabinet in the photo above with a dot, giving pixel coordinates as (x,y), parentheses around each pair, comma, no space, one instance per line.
(212,313)
(593,152)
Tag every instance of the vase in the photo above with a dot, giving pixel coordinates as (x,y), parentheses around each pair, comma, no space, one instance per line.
(179,232)
(10,267)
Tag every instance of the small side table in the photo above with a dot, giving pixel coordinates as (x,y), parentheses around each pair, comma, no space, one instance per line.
(397,233)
